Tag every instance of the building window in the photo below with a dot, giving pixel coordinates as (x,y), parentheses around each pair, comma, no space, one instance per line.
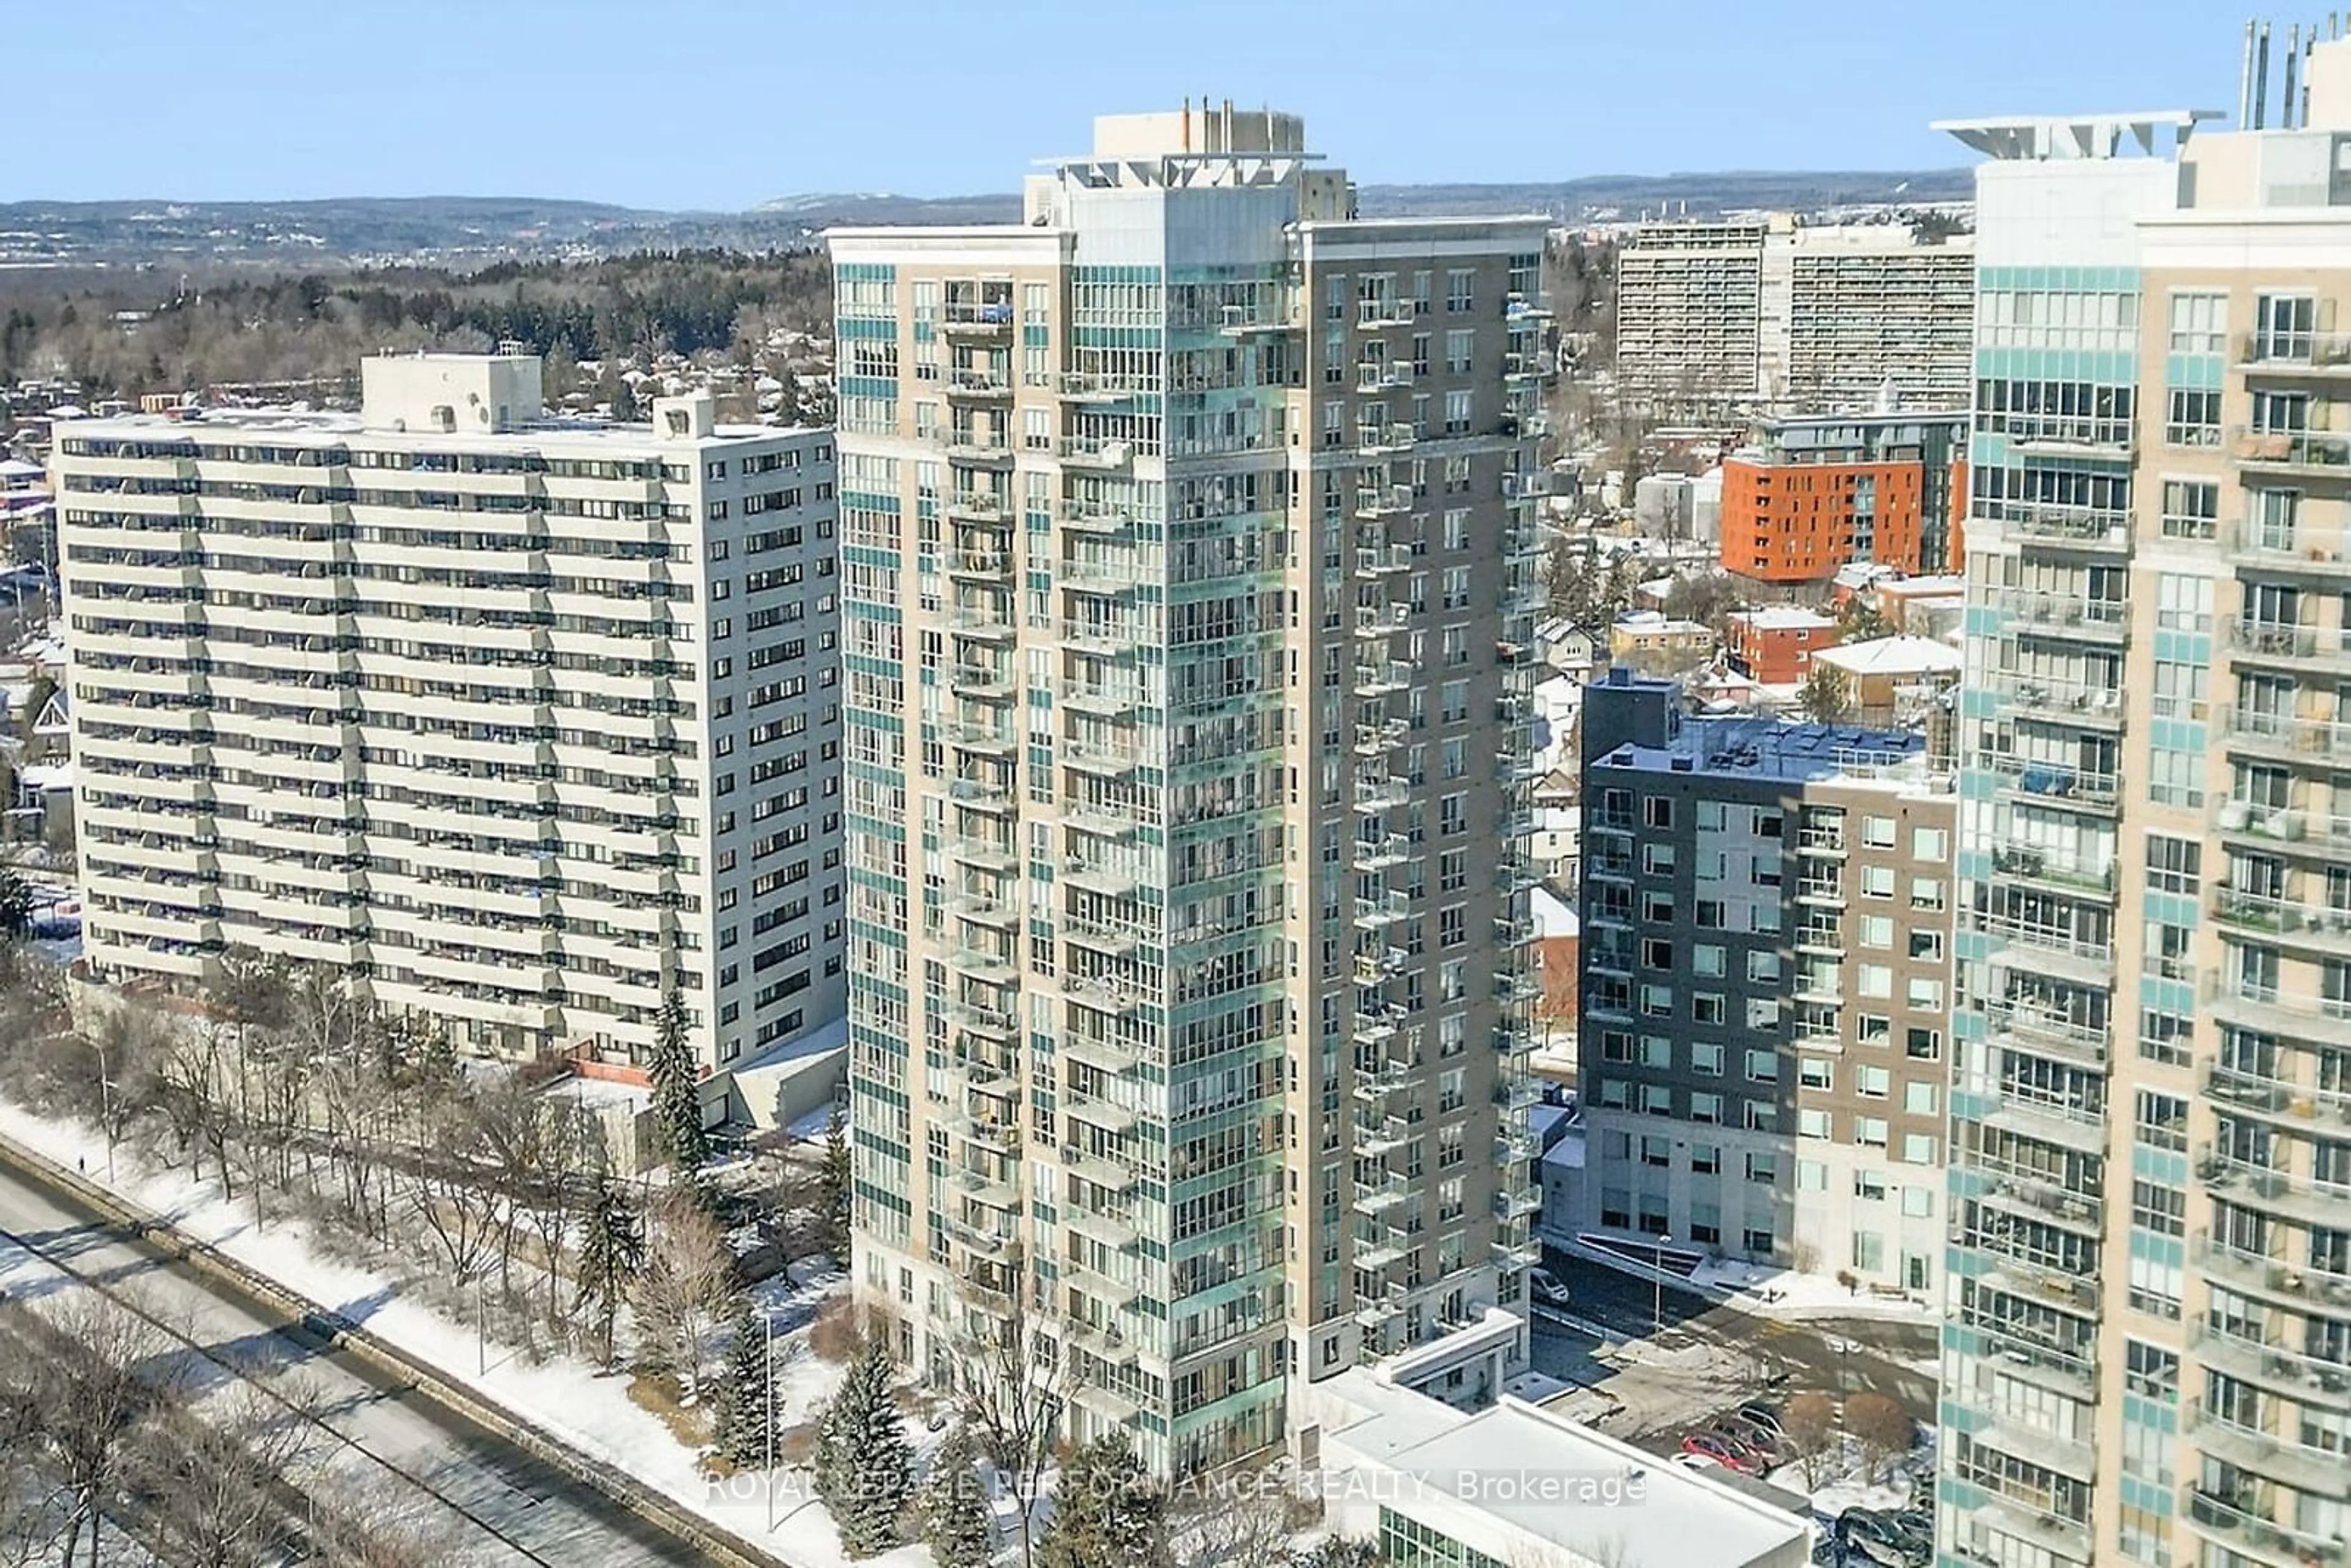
(2191,418)
(1460,290)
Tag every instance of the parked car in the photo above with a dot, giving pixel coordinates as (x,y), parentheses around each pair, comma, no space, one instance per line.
(1883,1538)
(1765,1445)
(1546,1286)
(1697,1461)
(1752,1460)
(1720,1452)
(1764,1418)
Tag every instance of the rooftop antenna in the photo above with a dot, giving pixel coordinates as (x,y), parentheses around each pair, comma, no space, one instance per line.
(2286,99)
(1188,125)
(2261,79)
(2302,105)
(2245,82)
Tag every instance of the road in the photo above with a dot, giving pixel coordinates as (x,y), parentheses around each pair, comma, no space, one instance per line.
(1710,1356)
(496,1503)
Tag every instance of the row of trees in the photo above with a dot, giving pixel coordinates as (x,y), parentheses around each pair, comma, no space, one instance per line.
(103,1438)
(317,327)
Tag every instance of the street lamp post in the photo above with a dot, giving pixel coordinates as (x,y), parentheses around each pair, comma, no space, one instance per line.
(105,1103)
(1657,1304)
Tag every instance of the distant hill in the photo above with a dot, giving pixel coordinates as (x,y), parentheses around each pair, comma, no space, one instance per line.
(458,230)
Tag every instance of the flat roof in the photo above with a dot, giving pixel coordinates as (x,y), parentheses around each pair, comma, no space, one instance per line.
(1770,749)
(1571,1486)
(328,427)
(1784,617)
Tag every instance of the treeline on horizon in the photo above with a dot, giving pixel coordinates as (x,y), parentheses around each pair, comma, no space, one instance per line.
(316,327)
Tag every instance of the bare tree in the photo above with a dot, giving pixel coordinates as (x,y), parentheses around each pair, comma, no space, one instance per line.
(1810,1423)
(1015,1381)
(104,1371)
(1881,1426)
(376,1527)
(1242,1521)
(686,1289)
(213,1479)
(450,1192)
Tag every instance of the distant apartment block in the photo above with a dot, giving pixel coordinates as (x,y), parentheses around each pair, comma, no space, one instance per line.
(1766,915)
(1807,496)
(1191,572)
(1731,316)
(511,718)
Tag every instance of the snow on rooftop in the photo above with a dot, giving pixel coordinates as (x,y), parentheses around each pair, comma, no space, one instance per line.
(1894,656)
(1554,915)
(1512,1460)
(47,776)
(1931,587)
(1784,617)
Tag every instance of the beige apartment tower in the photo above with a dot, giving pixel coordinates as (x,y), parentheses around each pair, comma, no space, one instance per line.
(1189,563)
(2148,1356)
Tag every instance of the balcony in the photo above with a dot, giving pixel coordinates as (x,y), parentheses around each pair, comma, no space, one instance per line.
(1374,741)
(1384,677)
(2084,961)
(2034,1197)
(2249,1536)
(1376,1024)
(1100,452)
(2248,1448)
(2070,527)
(972,384)
(1385,910)
(980,852)
(1108,878)
(1105,699)
(1375,796)
(2025,863)
(1382,312)
(983,739)
(2048,699)
(2048,783)
(2019,1024)
(1375,562)
(2297,1195)
(1821,842)
(2290,641)
(979,566)
(1106,635)
(982,682)
(2286,735)
(987,622)
(2303,1378)
(2306,452)
(1819,890)
(1096,516)
(2294,354)
(1075,386)
(1112,939)
(982,795)
(1102,758)
(2286,920)
(981,318)
(2272,1011)
(980,507)
(2303,1287)
(1376,501)
(1099,575)
(975,448)
(2096,620)
(2275,1097)
(1390,849)
(1384,440)
(2299,548)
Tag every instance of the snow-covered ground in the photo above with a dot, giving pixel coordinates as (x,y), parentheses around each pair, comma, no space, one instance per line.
(566,1398)
(1785,1293)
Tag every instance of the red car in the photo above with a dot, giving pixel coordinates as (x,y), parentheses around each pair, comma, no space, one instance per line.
(1721,1451)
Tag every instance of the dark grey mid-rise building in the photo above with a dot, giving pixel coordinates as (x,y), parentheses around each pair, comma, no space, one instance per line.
(1766,973)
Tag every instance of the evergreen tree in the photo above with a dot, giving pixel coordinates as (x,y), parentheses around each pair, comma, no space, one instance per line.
(624,402)
(16,906)
(864,1466)
(1106,1513)
(836,1183)
(609,1255)
(1826,695)
(956,1523)
(677,1090)
(746,1399)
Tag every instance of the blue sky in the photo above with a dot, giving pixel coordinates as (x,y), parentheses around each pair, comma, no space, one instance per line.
(722,103)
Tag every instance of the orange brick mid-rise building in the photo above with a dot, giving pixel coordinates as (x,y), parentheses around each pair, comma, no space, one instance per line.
(1776,643)
(1807,496)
